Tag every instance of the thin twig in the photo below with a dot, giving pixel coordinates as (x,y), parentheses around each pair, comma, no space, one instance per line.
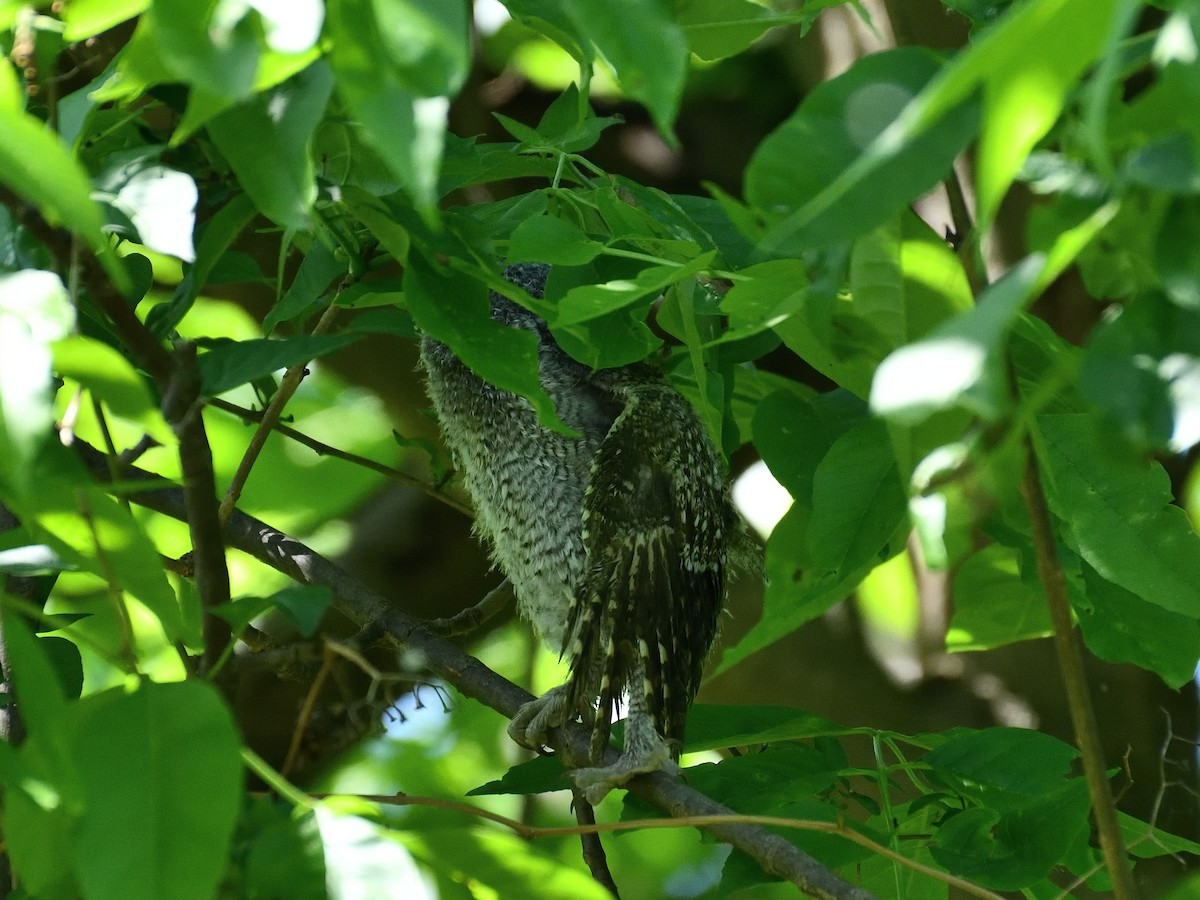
(1070,659)
(306,711)
(323,449)
(540,831)
(287,387)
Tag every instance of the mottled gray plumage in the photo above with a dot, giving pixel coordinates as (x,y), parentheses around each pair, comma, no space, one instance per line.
(616,542)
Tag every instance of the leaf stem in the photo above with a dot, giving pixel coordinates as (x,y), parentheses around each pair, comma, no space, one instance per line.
(275,781)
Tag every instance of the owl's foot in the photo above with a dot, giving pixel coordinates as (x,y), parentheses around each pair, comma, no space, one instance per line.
(645,752)
(530,727)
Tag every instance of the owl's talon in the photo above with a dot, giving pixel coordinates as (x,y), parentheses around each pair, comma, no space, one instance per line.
(595,783)
(645,752)
(531,726)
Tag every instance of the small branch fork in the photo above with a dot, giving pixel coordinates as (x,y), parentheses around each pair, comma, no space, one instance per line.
(777,856)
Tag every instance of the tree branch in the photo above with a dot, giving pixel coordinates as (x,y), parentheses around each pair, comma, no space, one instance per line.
(777,856)
(1070,659)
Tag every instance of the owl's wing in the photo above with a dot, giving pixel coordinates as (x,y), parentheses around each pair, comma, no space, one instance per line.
(656,524)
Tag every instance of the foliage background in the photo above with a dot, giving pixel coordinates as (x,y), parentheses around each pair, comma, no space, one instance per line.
(168,111)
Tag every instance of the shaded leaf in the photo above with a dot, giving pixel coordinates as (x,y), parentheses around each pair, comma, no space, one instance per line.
(234,363)
(266,140)
(1121,627)
(1116,511)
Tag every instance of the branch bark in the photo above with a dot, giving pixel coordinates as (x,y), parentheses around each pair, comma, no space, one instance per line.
(777,856)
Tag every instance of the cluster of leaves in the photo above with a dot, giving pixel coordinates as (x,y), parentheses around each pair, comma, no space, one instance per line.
(329,121)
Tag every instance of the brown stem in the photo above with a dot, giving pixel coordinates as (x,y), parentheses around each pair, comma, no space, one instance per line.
(287,387)
(1070,659)
(323,449)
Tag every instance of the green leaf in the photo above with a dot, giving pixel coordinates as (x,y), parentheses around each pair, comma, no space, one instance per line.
(772,779)
(553,19)
(1121,627)
(552,241)
(569,123)
(826,543)
(286,858)
(169,839)
(217,54)
(583,304)
(763,296)
(1177,259)
(405,127)
(110,377)
(906,280)
(645,47)
(92,531)
(36,165)
(1028,64)
(716,29)
(305,605)
(426,43)
(1017,760)
(266,140)
(1145,841)
(34,312)
(502,356)
(713,727)
(993,606)
(1116,511)
(962,362)
(537,776)
(858,501)
(376,292)
(1141,368)
(235,363)
(241,611)
(317,271)
(1016,848)
(842,120)
(87,18)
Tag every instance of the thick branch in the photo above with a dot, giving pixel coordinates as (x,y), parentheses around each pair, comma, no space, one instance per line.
(469,676)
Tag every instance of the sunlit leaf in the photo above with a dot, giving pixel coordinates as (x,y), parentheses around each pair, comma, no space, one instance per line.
(178,744)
